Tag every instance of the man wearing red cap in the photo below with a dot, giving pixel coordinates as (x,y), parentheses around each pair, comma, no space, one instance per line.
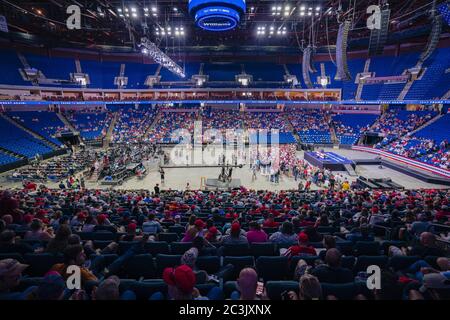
(181,285)
(195,231)
(302,248)
(235,236)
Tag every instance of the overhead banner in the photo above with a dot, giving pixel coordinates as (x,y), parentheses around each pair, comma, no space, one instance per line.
(247,102)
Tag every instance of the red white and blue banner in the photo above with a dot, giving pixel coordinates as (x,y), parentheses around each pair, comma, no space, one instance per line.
(275,102)
(404,160)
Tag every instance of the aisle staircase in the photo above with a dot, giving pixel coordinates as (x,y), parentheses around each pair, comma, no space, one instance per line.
(109,133)
(66,122)
(405,90)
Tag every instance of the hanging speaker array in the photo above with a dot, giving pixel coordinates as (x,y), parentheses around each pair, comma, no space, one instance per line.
(341,52)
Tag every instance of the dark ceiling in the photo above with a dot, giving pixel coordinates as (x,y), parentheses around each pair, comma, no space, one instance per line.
(104,23)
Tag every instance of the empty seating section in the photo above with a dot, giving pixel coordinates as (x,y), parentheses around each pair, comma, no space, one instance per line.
(222,71)
(349,127)
(91,125)
(137,73)
(45,123)
(349,87)
(311,125)
(172,126)
(52,67)
(434,82)
(391,91)
(101,74)
(432,85)
(265,71)
(10,65)
(189,69)
(132,123)
(15,139)
(6,158)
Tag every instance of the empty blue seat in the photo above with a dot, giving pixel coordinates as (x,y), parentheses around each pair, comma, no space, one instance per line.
(274,289)
(140,266)
(210,264)
(239,263)
(263,249)
(168,237)
(402,262)
(343,291)
(40,263)
(165,261)
(362,262)
(367,248)
(272,268)
(180,247)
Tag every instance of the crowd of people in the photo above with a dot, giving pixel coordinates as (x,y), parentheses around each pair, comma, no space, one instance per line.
(91,125)
(171,127)
(397,123)
(266,121)
(318,233)
(132,124)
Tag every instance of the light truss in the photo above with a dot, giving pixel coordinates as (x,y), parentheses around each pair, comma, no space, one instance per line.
(150,49)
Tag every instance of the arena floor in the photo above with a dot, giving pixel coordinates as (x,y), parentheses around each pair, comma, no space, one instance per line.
(177,178)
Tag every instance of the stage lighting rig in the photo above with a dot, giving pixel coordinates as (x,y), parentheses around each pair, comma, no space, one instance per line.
(150,49)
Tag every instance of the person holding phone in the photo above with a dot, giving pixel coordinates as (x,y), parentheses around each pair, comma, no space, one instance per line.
(248,286)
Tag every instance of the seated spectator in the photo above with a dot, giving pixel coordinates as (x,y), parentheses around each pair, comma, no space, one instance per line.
(181,283)
(196,230)
(151,225)
(246,284)
(74,255)
(10,275)
(61,240)
(37,232)
(52,287)
(313,234)
(285,236)
(235,236)
(329,242)
(107,290)
(427,246)
(270,222)
(256,234)
(302,248)
(332,272)
(9,244)
(213,235)
(309,289)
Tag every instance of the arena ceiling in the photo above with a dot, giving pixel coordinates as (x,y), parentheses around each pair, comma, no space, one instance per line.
(119,24)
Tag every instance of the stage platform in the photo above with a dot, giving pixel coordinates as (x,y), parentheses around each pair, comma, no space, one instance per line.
(213,184)
(329,160)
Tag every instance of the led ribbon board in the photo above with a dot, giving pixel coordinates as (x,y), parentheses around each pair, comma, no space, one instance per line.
(216,15)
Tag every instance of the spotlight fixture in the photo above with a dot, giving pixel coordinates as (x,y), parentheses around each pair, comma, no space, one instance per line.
(150,49)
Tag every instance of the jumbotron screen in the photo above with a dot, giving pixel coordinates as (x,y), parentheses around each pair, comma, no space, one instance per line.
(217,15)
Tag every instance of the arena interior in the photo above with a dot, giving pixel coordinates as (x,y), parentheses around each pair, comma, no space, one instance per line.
(215,150)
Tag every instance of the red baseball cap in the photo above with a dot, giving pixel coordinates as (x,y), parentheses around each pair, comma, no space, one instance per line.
(101,218)
(132,226)
(235,227)
(303,237)
(182,277)
(82,215)
(213,230)
(199,223)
